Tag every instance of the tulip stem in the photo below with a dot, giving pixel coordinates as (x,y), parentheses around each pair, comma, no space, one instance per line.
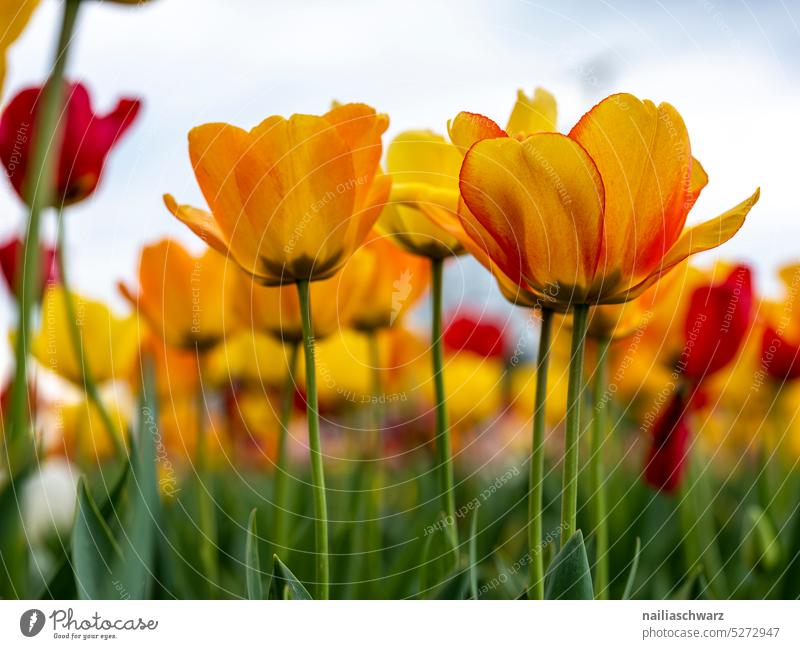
(596,469)
(205,489)
(76,338)
(374,480)
(443,444)
(282,470)
(569,490)
(38,192)
(317,468)
(536,486)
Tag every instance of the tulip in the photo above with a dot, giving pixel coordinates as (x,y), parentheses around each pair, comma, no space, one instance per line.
(87,140)
(85,436)
(393,285)
(481,336)
(716,324)
(291,200)
(181,296)
(780,342)
(10,256)
(422,163)
(668,448)
(110,343)
(14,17)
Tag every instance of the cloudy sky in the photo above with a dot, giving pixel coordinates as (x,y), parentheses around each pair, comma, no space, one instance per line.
(731,69)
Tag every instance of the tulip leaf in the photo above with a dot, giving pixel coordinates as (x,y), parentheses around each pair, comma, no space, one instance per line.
(626,594)
(284,584)
(13,547)
(569,576)
(252,564)
(138,541)
(94,550)
(62,583)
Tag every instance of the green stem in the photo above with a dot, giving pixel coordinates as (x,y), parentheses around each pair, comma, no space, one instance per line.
(317,468)
(569,491)
(205,495)
(536,486)
(282,470)
(374,480)
(38,192)
(596,470)
(443,444)
(76,338)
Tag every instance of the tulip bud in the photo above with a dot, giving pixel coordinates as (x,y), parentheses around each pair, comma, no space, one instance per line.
(780,357)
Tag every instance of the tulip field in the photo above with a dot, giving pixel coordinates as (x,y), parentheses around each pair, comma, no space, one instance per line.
(289,406)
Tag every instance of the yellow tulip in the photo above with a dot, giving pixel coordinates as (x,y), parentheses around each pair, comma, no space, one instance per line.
(84,435)
(291,199)
(422,163)
(393,284)
(14,16)
(110,343)
(181,295)
(247,357)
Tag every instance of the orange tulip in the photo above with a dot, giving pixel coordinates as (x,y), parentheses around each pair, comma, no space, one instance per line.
(181,295)
(291,199)
(593,217)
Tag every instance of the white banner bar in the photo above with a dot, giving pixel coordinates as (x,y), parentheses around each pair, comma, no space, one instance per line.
(399,624)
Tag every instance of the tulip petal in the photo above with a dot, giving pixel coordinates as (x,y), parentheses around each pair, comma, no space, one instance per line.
(465,129)
(215,151)
(701,237)
(531,115)
(542,202)
(644,157)
(425,158)
(361,127)
(200,222)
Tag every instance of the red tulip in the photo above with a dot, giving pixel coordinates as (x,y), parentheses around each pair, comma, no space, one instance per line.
(716,324)
(10,257)
(780,357)
(486,338)
(87,140)
(668,452)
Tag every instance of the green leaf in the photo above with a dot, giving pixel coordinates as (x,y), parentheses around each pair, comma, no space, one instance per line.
(138,544)
(762,549)
(94,550)
(62,583)
(284,584)
(686,589)
(13,547)
(252,565)
(473,556)
(568,576)
(626,594)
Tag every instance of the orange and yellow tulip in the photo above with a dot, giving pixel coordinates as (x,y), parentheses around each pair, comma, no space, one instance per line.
(593,217)
(291,199)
